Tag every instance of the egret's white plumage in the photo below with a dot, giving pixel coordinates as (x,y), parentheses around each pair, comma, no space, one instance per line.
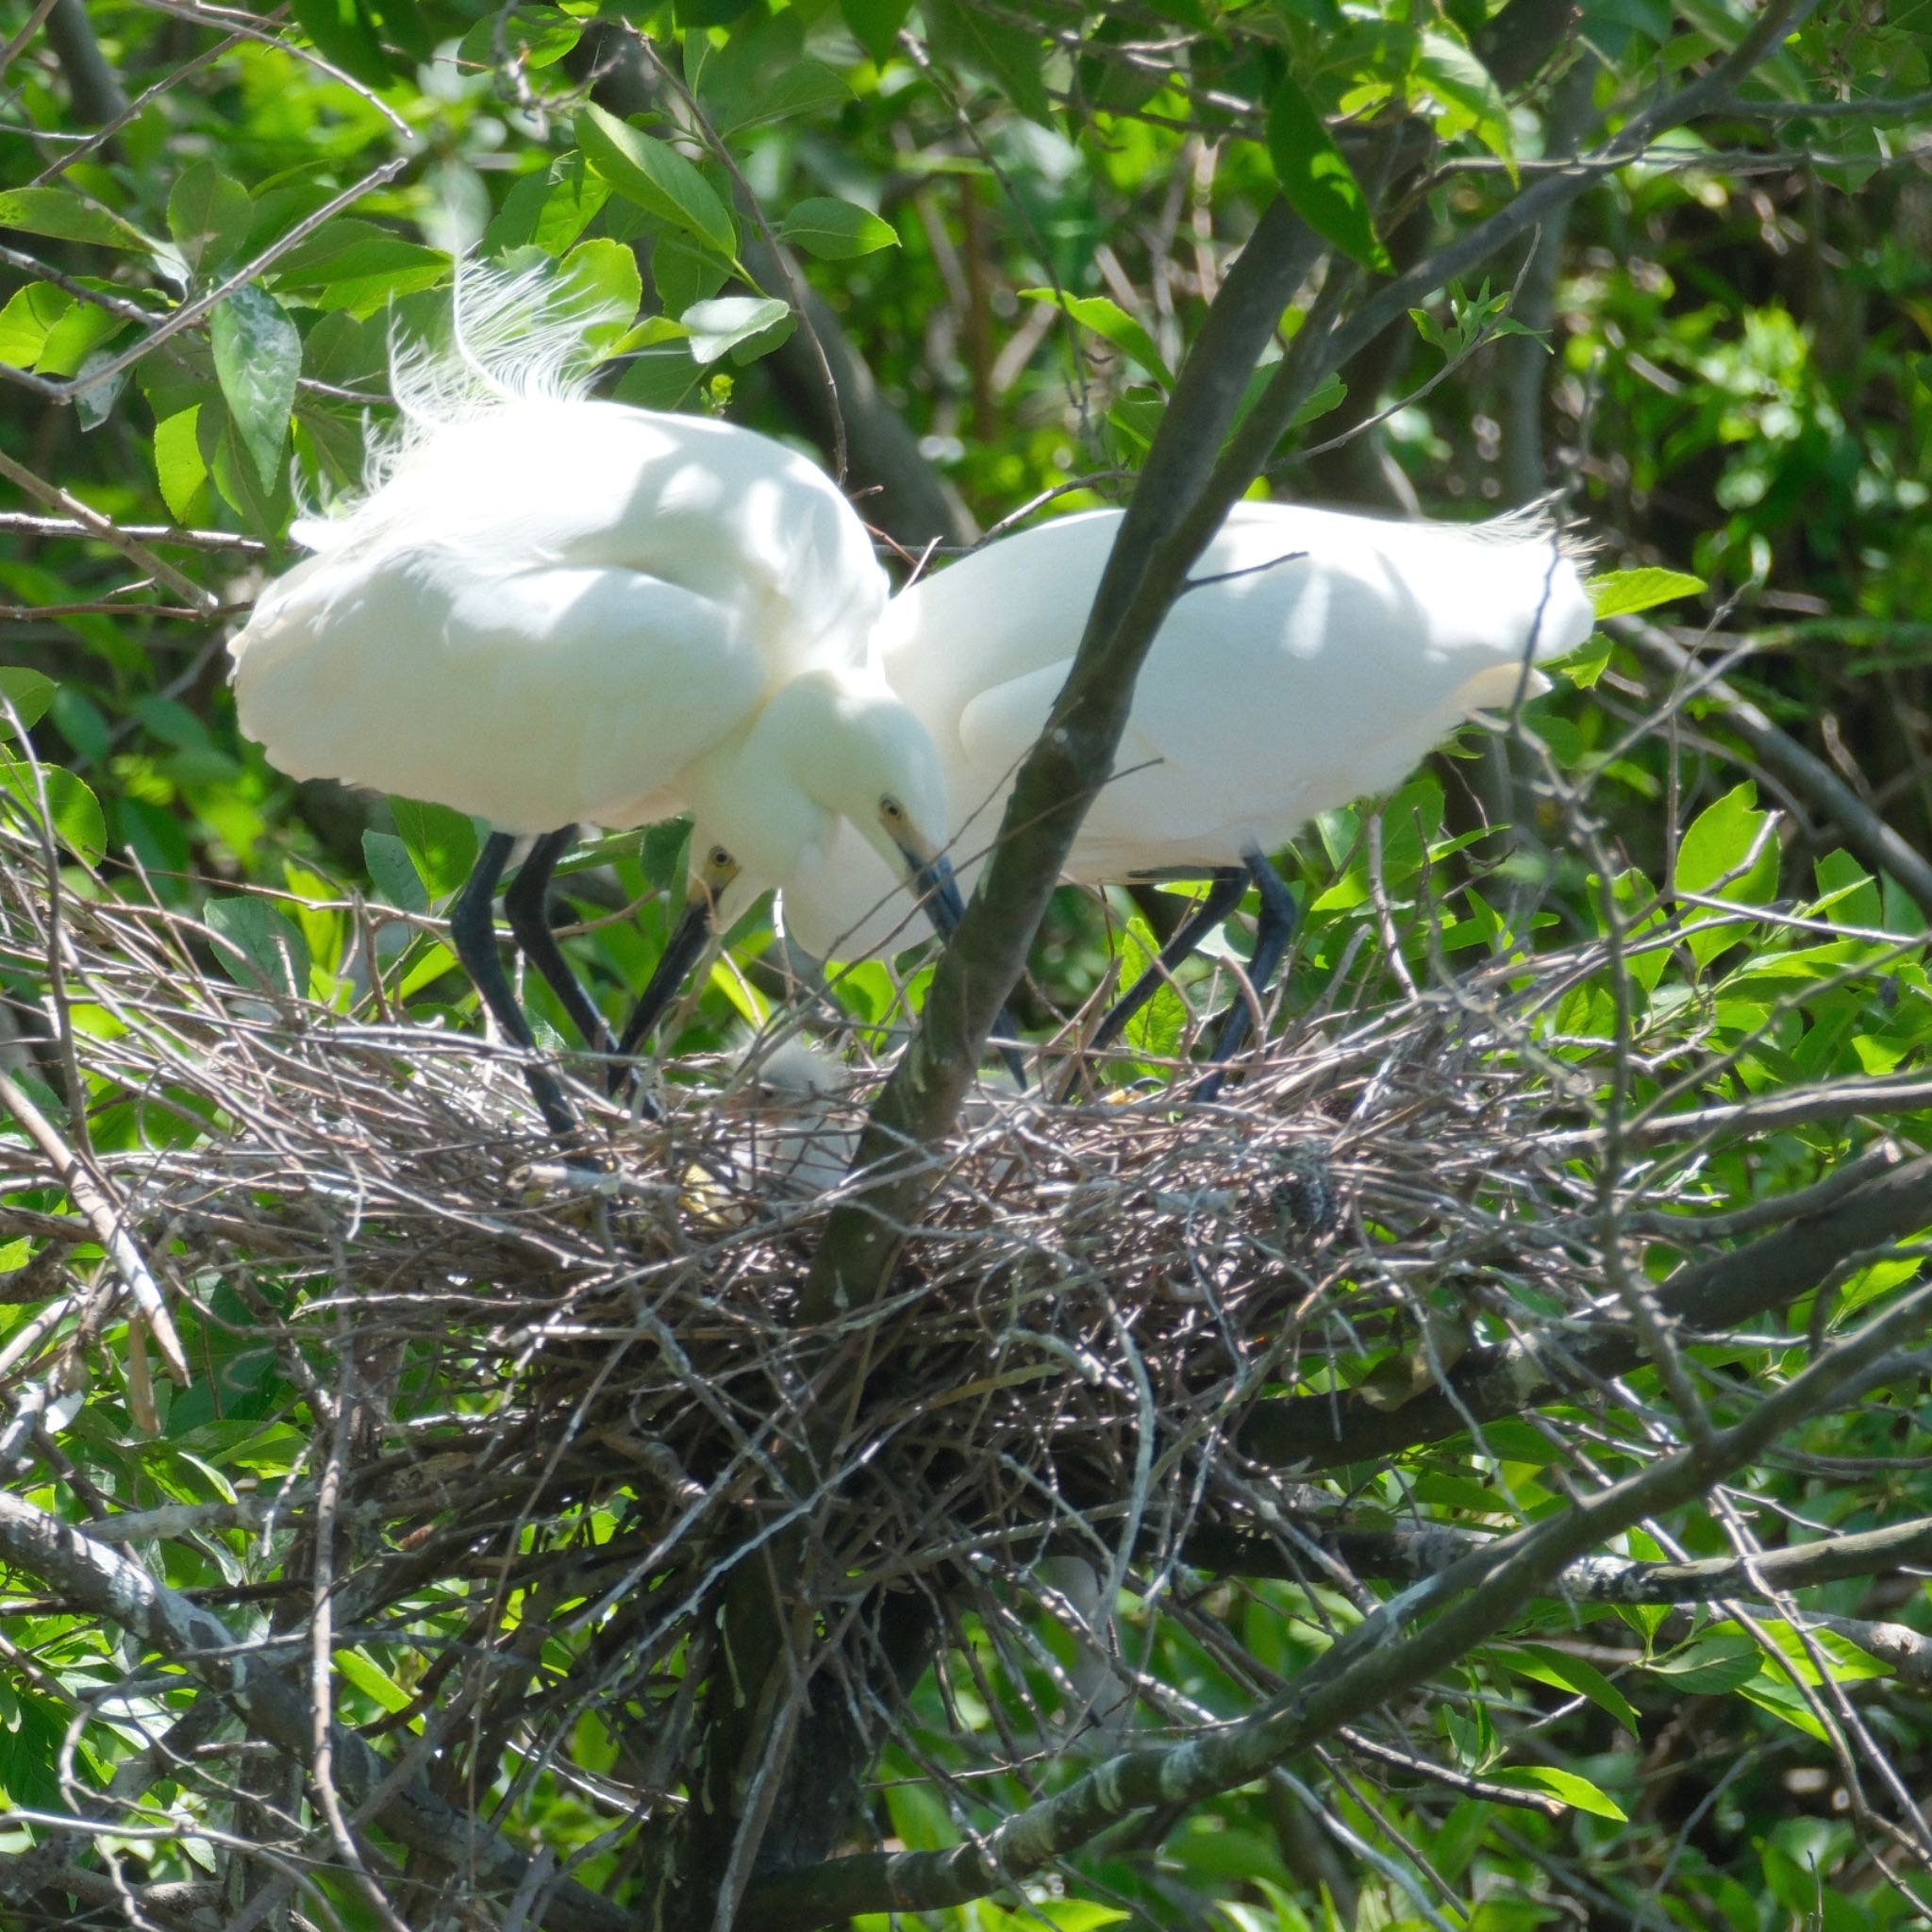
(548,611)
(551,608)
(1339,652)
(804,1130)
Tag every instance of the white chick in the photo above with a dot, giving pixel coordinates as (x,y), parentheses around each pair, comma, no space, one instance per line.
(801,1134)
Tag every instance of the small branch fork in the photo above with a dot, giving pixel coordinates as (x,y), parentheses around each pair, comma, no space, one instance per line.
(99,1581)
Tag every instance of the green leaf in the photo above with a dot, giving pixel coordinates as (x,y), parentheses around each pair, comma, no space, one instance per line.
(1784,1700)
(393,872)
(1113,324)
(344,32)
(74,813)
(1471,100)
(528,37)
(372,1681)
(1009,57)
(1565,1673)
(75,337)
(402,22)
(29,317)
(1730,852)
(1710,1666)
(28,691)
(1577,1792)
(62,214)
(1315,181)
(549,209)
(658,378)
(441,842)
(606,274)
(180,466)
(207,216)
(719,326)
(656,178)
(358,265)
(801,87)
(1155,1030)
(835,230)
(1618,592)
(875,24)
(260,946)
(259,360)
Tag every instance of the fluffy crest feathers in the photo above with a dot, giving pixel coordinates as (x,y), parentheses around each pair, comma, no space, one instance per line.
(509,338)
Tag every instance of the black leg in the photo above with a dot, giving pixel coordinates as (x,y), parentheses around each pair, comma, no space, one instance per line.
(526,904)
(473,932)
(1273,931)
(1224,890)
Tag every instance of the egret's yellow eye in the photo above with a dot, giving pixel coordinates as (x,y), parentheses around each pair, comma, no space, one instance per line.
(891,809)
(720,861)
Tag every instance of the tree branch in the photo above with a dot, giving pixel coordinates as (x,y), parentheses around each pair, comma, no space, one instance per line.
(103,1582)
(1368,1667)
(1410,1555)
(1322,1431)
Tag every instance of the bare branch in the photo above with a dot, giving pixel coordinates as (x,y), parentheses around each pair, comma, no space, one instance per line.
(102,1583)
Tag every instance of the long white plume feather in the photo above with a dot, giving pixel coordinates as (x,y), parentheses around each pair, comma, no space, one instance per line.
(509,338)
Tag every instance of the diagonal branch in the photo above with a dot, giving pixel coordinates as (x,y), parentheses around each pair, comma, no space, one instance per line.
(1410,1555)
(1321,1431)
(1373,1663)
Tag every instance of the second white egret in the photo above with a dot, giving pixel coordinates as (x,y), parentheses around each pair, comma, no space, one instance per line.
(1315,658)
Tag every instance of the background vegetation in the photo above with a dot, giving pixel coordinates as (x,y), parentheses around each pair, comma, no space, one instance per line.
(1540,1542)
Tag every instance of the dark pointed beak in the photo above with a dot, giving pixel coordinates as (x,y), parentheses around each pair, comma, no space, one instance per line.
(932,879)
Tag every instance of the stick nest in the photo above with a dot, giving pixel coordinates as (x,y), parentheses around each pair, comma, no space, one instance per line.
(592,1390)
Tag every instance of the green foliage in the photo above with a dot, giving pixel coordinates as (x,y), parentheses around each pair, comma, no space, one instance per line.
(1021,231)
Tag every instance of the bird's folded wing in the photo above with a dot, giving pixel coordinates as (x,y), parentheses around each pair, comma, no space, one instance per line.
(533,698)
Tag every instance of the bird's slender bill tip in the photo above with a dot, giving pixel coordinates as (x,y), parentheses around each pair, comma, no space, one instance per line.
(932,879)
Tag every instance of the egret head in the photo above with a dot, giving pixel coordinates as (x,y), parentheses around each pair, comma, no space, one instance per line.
(827,746)
(830,746)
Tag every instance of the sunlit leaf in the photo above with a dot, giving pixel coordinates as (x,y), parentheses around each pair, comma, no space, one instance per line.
(73,811)
(728,323)
(1316,181)
(442,843)
(1619,592)
(1710,1666)
(27,693)
(1566,1672)
(656,178)
(1112,323)
(835,230)
(62,214)
(1577,1792)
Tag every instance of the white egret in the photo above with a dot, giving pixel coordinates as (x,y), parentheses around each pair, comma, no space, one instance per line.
(1315,658)
(549,611)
